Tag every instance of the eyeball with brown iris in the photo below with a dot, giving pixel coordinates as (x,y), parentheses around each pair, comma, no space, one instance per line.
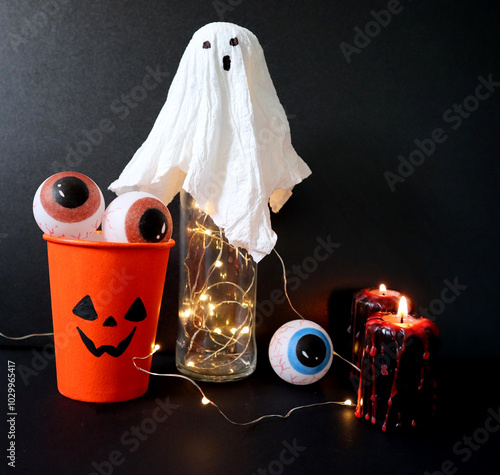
(301,352)
(137,216)
(68,205)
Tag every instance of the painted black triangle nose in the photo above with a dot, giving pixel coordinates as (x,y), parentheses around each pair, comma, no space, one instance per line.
(226,63)
(109,322)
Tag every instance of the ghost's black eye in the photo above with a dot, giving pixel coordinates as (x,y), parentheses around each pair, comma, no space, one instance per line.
(136,312)
(85,309)
(234,41)
(206,45)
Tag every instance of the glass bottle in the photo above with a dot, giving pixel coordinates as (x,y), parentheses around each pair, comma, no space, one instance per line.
(217,301)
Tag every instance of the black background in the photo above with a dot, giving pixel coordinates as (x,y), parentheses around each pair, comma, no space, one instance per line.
(65,66)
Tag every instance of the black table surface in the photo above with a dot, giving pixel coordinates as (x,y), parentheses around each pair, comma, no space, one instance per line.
(168,430)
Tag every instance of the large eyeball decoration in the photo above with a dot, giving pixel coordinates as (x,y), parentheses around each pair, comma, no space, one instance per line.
(300,352)
(68,205)
(137,216)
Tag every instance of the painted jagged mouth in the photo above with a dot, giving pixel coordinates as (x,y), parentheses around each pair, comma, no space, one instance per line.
(115,352)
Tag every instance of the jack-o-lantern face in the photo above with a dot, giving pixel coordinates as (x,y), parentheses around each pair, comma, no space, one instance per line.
(85,309)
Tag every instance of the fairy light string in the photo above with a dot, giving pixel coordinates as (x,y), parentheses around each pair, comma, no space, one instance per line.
(285,283)
(217,310)
(206,401)
(200,295)
(31,335)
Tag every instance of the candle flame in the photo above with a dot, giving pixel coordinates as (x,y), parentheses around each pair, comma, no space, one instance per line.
(403,307)
(382,288)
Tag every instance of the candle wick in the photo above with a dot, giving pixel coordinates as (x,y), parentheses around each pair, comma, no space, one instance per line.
(402,319)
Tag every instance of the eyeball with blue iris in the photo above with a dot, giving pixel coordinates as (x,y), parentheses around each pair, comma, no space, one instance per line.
(68,205)
(301,352)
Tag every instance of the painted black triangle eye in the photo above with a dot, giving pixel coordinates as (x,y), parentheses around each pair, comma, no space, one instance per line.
(85,309)
(136,312)
(234,41)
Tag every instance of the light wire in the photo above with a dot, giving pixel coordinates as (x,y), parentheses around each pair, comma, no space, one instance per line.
(298,313)
(206,400)
(25,336)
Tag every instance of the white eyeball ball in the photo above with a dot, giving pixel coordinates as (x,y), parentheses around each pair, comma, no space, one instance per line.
(301,352)
(137,216)
(68,205)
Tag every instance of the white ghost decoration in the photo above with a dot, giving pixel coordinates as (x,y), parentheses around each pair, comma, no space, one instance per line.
(224,137)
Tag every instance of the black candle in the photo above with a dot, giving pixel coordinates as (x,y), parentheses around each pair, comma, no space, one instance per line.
(397,387)
(365,303)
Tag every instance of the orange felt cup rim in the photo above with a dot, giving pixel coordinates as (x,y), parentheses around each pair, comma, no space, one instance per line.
(108,244)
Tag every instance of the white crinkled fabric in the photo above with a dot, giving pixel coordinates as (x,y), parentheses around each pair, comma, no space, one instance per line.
(224,137)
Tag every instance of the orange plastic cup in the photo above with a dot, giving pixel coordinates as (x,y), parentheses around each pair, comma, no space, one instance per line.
(106,301)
